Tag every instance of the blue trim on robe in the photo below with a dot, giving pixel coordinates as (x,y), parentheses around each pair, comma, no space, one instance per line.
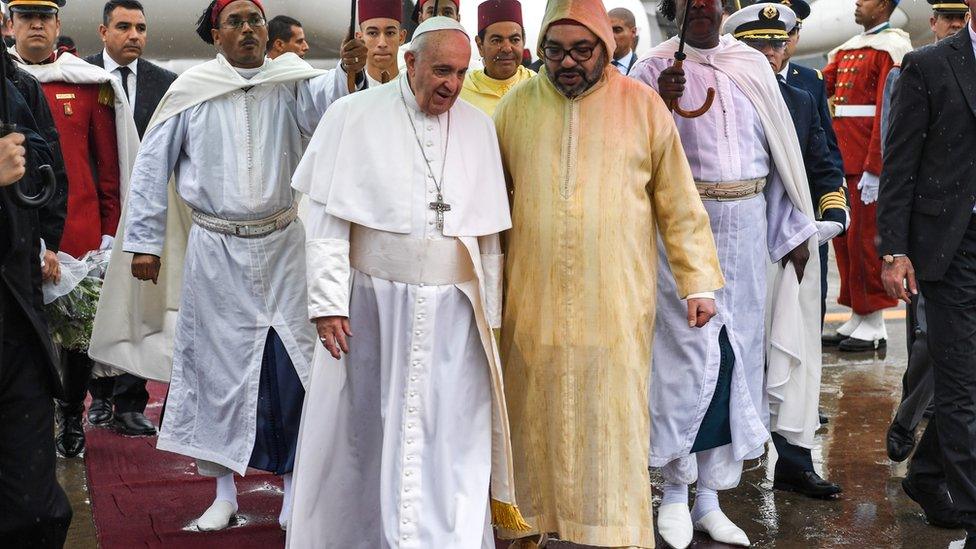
(280,399)
(716,429)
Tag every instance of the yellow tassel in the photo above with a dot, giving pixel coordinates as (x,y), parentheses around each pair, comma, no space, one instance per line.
(507,516)
(106,95)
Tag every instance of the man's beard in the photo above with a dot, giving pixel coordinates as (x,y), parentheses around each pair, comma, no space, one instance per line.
(587,81)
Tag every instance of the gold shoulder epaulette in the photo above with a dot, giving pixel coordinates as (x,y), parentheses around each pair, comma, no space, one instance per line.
(819,74)
(106,95)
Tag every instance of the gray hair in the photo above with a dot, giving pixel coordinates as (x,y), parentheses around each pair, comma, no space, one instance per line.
(420,43)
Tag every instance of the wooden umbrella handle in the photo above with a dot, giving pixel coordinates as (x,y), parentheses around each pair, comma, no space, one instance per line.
(709,99)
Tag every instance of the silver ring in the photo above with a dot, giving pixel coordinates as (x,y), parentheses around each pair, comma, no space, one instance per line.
(322,339)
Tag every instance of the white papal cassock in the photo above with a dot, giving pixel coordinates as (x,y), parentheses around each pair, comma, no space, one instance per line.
(401,438)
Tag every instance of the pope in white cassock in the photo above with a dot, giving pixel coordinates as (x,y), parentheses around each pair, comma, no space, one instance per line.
(405,438)
(232,131)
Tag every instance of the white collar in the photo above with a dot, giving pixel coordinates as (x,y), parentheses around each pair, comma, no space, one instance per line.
(878,28)
(786,70)
(112,66)
(625,60)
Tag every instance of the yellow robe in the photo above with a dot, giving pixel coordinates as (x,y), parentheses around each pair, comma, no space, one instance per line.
(484,92)
(593,180)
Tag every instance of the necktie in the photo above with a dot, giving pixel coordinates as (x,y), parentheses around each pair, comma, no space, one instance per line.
(125,72)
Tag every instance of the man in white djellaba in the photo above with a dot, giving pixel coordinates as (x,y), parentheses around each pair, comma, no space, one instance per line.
(232,130)
(405,438)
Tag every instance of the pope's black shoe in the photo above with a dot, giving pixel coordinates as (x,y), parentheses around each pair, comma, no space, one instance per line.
(70,438)
(934,503)
(808,483)
(900,442)
(854,345)
(832,340)
(133,424)
(100,411)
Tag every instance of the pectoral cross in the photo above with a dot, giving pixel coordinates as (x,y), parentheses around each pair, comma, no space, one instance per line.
(440,207)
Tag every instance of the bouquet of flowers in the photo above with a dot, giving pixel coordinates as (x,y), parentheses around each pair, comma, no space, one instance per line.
(71,304)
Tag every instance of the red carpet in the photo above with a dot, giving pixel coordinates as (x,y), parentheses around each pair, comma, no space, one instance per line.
(143,497)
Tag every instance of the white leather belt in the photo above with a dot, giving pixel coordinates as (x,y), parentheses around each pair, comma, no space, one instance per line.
(247,229)
(855,111)
(727,191)
(400,258)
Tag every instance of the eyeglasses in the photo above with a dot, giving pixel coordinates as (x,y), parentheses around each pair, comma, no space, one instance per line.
(776,45)
(254,22)
(556,54)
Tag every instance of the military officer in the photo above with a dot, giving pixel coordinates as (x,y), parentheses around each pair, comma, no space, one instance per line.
(812,81)
(794,467)
(855,79)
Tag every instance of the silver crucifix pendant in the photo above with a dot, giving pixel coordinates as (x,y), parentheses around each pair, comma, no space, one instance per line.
(440,207)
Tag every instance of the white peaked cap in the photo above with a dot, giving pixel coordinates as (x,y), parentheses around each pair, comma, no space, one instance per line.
(440,23)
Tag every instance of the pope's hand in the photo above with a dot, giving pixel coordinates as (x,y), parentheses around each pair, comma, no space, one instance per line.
(671,84)
(13,159)
(700,311)
(145,267)
(51,267)
(353,54)
(896,276)
(333,331)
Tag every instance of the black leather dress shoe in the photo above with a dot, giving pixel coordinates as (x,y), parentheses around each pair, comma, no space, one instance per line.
(70,438)
(854,345)
(808,483)
(100,411)
(934,503)
(832,340)
(899,443)
(133,424)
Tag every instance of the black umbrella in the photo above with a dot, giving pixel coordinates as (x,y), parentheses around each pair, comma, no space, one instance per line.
(18,195)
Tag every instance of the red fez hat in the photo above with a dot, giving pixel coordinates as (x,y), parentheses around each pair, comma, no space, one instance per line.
(380,9)
(496,11)
(220,5)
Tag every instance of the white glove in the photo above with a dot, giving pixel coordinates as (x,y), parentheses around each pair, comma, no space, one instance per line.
(869,185)
(828,230)
(107,242)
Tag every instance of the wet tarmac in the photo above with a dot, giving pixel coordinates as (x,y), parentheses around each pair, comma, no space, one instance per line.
(859,394)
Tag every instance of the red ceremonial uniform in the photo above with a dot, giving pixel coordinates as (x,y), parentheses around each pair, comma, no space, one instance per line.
(856,78)
(85,118)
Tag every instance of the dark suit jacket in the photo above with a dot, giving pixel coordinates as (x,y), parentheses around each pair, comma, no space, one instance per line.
(52,215)
(812,81)
(826,178)
(928,182)
(152,82)
(21,301)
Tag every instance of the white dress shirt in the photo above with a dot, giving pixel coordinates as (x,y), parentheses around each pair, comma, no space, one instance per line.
(625,63)
(112,67)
